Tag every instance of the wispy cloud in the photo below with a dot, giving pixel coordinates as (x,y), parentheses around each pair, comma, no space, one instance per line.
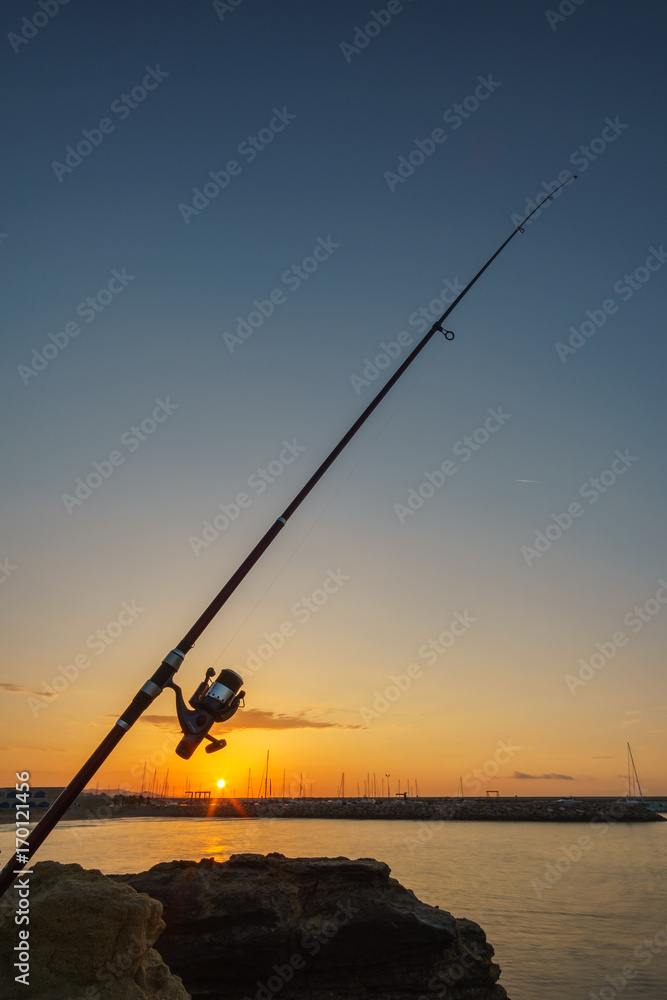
(36,749)
(18,689)
(255,718)
(540,777)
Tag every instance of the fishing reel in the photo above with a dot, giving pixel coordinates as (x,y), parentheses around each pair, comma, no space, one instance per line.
(213,701)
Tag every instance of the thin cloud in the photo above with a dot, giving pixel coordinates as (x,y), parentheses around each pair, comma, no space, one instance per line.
(527,480)
(164,721)
(255,718)
(541,777)
(17,689)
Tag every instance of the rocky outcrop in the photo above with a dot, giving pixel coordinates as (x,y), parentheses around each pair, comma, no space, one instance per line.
(90,938)
(258,927)
(253,928)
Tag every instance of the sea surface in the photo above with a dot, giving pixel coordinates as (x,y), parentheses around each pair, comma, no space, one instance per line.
(603,906)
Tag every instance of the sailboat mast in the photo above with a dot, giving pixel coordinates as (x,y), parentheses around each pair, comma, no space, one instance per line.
(634,769)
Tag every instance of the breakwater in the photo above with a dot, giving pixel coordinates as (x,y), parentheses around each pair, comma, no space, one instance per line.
(514,809)
(536,810)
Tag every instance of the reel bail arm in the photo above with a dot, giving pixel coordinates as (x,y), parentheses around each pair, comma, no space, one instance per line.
(213,701)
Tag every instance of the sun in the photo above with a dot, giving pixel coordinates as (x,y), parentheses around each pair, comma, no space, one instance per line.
(221,783)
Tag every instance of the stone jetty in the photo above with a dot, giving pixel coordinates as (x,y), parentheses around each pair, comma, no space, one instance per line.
(479,809)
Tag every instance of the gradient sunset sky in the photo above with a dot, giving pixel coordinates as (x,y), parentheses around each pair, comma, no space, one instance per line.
(375,170)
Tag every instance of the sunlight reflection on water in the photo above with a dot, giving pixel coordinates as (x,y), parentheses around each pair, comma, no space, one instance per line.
(560,946)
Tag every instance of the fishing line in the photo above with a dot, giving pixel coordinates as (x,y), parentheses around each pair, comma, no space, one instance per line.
(216,701)
(354,467)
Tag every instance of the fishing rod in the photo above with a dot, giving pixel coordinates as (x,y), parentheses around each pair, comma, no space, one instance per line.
(217,701)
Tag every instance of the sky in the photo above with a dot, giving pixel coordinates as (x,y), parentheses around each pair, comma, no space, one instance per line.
(219,225)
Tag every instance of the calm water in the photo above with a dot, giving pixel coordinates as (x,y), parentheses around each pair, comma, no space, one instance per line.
(562,946)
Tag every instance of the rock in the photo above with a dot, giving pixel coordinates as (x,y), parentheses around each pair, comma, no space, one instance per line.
(260,927)
(511,810)
(90,939)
